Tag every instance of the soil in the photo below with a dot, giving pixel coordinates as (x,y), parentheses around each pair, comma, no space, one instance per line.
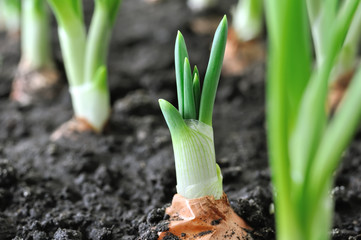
(116,185)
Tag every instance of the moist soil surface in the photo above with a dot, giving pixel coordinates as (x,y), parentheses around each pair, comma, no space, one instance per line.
(116,185)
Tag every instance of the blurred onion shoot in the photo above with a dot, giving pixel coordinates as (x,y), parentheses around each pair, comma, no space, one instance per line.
(248,19)
(85,57)
(36,78)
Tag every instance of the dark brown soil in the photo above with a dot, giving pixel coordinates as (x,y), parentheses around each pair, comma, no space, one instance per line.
(115,186)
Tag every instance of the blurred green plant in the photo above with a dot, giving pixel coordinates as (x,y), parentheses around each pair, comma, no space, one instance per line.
(36,77)
(248,19)
(85,56)
(35,36)
(305,146)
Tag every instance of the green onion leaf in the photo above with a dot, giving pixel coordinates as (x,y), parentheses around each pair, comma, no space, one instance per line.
(180,53)
(189,105)
(110,6)
(195,71)
(213,73)
(196,93)
(99,36)
(67,13)
(337,136)
(72,37)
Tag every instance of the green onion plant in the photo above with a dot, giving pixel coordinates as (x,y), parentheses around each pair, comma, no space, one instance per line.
(10,11)
(305,146)
(85,56)
(35,36)
(248,19)
(190,126)
(201,5)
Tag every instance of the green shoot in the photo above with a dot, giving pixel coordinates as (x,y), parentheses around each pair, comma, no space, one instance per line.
(248,19)
(35,37)
(99,35)
(213,73)
(198,175)
(201,5)
(304,148)
(72,37)
(189,103)
(85,56)
(180,53)
(11,10)
(196,90)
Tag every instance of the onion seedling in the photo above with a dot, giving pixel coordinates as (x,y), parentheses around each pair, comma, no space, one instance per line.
(199,178)
(304,146)
(36,78)
(85,61)
(201,5)
(11,15)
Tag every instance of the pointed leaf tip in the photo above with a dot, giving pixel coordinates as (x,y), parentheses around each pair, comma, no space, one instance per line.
(179,34)
(173,118)
(224,21)
(162,103)
(186,61)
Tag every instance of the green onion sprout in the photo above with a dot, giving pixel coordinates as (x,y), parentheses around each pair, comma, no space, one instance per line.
(85,56)
(248,19)
(190,126)
(304,146)
(201,5)
(10,11)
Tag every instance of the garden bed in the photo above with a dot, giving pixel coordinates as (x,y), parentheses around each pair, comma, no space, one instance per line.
(115,186)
